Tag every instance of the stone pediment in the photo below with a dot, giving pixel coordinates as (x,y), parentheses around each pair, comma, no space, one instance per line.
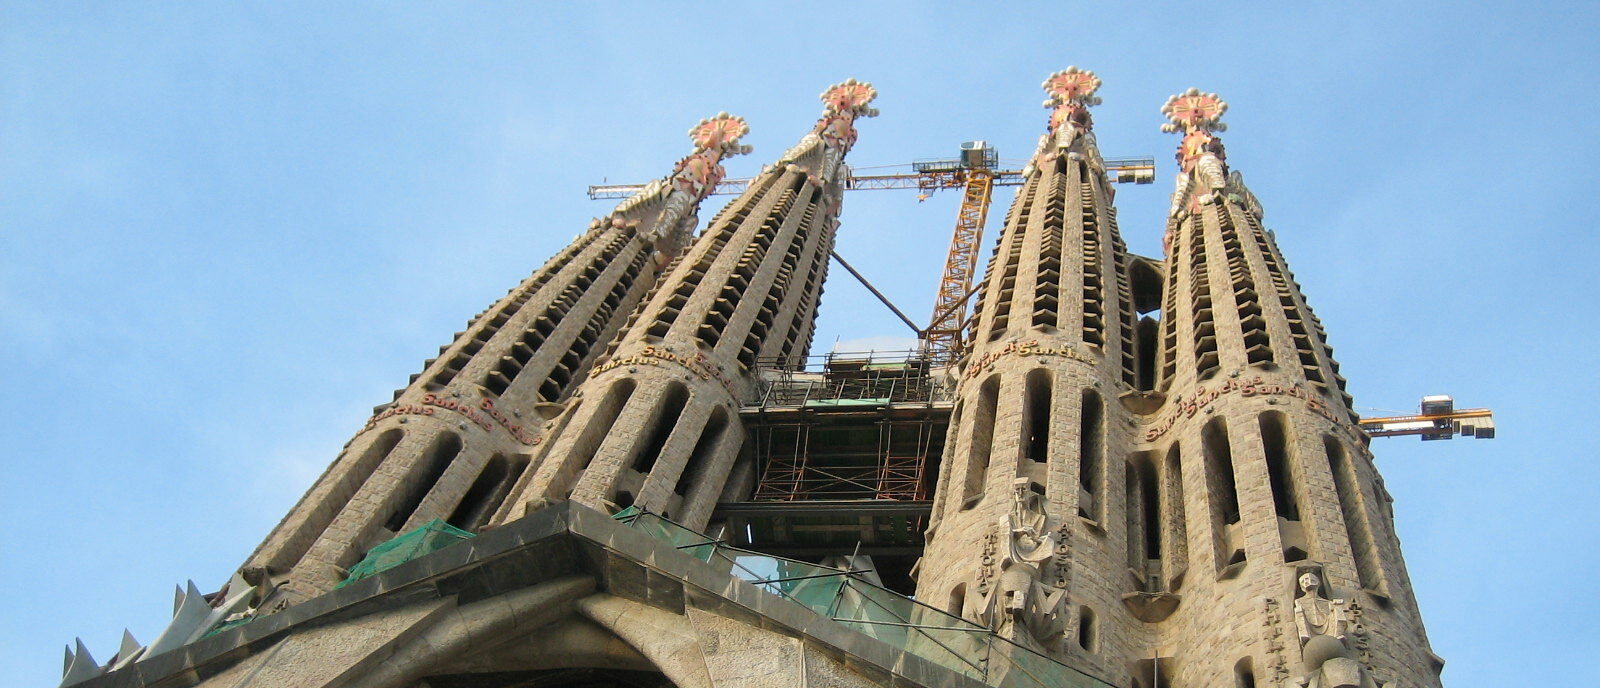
(564,594)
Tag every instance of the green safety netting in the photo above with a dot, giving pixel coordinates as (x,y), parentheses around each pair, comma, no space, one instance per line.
(427,539)
(942,638)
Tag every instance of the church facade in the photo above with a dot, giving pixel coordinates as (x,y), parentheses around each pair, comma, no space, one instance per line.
(1133,471)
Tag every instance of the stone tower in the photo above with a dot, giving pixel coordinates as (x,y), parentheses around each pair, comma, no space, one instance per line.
(657,423)
(1150,473)
(1037,425)
(453,441)
(1182,499)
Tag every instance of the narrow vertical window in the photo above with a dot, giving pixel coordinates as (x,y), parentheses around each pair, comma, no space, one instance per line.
(1036,423)
(489,491)
(1087,634)
(1222,493)
(982,439)
(605,416)
(519,466)
(1177,537)
(1144,521)
(957,600)
(710,437)
(1244,675)
(472,504)
(666,418)
(1351,505)
(1148,335)
(1283,475)
(1091,464)
(1279,471)
(1134,499)
(423,477)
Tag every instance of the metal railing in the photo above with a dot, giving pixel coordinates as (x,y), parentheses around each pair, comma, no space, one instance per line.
(851,379)
(843,596)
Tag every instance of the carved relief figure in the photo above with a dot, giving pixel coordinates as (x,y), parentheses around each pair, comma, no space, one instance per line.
(1020,600)
(1323,624)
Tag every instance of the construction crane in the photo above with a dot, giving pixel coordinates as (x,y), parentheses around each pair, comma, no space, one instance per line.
(1438,420)
(976,172)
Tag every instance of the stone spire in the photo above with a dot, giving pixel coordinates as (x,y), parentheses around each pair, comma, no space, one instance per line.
(656,424)
(1286,510)
(452,442)
(1023,496)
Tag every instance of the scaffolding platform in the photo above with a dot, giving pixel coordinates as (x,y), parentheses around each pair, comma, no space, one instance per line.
(846,449)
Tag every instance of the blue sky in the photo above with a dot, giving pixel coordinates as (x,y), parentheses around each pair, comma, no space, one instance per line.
(226,232)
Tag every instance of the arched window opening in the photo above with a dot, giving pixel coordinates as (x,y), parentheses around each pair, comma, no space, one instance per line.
(1036,421)
(1088,635)
(982,441)
(1148,335)
(1134,514)
(423,477)
(1222,494)
(955,604)
(1356,524)
(1244,675)
(710,437)
(1279,469)
(473,503)
(666,418)
(605,416)
(1176,541)
(1219,471)
(1283,475)
(1091,464)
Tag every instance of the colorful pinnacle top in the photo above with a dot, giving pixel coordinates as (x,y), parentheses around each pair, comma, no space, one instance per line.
(721,133)
(1071,91)
(692,179)
(1194,111)
(1071,85)
(850,97)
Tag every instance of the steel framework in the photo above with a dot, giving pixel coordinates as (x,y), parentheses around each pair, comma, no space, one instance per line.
(943,336)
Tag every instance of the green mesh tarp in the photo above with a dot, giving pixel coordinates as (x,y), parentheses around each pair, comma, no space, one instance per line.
(427,539)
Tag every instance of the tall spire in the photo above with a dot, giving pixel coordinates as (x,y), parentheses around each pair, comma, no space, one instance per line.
(453,440)
(658,422)
(1029,455)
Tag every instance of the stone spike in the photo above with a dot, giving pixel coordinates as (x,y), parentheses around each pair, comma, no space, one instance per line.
(129,652)
(80,666)
(129,644)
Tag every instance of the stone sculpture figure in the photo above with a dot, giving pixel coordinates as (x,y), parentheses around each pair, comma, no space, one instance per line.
(1020,600)
(1323,624)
